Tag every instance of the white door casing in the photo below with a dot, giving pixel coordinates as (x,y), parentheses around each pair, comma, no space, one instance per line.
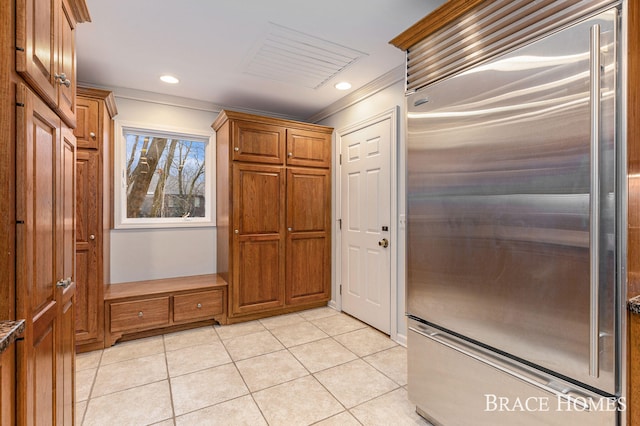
(367,209)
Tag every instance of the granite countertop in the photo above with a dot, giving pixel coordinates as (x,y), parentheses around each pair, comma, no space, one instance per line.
(9,332)
(634,305)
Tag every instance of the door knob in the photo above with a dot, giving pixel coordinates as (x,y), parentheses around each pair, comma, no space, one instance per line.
(92,237)
(383,243)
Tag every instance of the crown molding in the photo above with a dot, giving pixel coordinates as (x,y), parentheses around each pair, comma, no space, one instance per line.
(388,79)
(178,101)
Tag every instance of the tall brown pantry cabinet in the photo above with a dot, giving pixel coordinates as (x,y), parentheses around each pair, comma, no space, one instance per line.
(95,110)
(37,185)
(273,210)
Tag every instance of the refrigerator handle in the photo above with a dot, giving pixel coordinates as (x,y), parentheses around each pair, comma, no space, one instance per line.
(594,204)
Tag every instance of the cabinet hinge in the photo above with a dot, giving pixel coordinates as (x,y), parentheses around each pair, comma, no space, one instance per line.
(20,49)
(20,104)
(20,222)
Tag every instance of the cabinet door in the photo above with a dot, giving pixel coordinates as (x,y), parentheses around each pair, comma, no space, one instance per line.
(36,45)
(38,156)
(87,123)
(308,247)
(308,148)
(89,302)
(66,64)
(65,224)
(45,52)
(258,240)
(7,384)
(258,143)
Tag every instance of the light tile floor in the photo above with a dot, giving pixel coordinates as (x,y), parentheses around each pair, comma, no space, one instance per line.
(313,367)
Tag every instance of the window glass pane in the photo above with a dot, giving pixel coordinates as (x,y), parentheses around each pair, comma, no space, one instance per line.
(165,176)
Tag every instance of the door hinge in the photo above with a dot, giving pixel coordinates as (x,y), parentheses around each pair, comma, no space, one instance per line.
(339,223)
(340,289)
(20,104)
(340,159)
(20,49)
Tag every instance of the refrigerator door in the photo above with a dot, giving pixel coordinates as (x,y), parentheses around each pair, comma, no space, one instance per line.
(463,384)
(511,203)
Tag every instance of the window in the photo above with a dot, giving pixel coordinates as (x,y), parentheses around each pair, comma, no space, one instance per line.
(165,179)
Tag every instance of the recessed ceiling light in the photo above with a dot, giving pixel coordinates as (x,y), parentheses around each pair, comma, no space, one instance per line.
(169,79)
(343,85)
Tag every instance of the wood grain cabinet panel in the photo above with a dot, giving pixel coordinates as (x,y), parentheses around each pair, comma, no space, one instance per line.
(88,295)
(274,239)
(308,148)
(308,244)
(633,364)
(87,122)
(45,57)
(201,305)
(94,132)
(258,143)
(7,387)
(45,209)
(139,314)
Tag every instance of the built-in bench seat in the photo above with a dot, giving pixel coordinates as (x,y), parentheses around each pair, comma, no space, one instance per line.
(144,308)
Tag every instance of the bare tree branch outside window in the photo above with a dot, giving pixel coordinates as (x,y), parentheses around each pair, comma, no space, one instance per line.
(165,176)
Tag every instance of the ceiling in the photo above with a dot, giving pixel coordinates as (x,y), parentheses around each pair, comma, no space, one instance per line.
(274,56)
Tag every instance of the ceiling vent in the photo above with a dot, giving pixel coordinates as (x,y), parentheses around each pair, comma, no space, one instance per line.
(297,58)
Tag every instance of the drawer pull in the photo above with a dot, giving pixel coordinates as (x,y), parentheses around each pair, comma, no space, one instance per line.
(199,306)
(140,314)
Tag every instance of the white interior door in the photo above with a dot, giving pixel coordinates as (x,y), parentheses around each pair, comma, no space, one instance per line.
(366,216)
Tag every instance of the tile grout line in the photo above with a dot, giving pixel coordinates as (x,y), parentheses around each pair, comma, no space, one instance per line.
(166,364)
(243,380)
(93,382)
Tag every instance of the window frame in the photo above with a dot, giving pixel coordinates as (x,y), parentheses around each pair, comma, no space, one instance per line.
(121,221)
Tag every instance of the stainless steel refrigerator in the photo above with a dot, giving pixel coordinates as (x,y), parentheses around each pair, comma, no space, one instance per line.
(514,176)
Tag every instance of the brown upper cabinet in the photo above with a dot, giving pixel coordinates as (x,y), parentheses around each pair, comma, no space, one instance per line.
(258,142)
(45,52)
(271,140)
(308,148)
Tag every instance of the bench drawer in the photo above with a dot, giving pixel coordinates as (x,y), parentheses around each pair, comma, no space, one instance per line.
(201,305)
(139,314)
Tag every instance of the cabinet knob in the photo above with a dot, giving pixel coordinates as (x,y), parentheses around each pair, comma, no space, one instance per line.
(199,306)
(62,79)
(236,231)
(289,229)
(92,135)
(140,314)
(92,237)
(290,154)
(236,149)
(64,283)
